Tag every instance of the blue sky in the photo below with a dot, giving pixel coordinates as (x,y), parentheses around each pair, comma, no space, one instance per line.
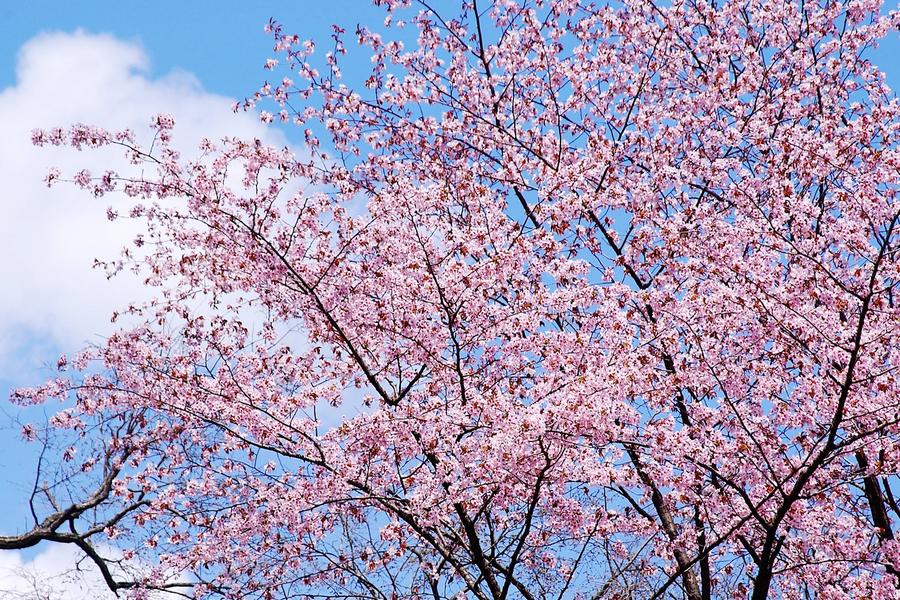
(194,55)
(222,42)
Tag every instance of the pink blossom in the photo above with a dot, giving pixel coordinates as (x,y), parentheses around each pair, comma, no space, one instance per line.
(559,302)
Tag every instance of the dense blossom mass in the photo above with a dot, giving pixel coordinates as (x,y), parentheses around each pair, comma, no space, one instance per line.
(606,292)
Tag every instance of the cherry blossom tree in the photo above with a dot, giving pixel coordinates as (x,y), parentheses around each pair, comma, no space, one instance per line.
(606,290)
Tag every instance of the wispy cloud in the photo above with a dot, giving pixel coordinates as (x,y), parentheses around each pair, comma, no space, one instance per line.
(56,573)
(63,572)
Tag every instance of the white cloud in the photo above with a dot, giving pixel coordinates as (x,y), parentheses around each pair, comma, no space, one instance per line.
(62,572)
(57,573)
(49,238)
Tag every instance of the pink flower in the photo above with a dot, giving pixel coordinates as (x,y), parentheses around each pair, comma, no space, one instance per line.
(163,122)
(52,176)
(28,432)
